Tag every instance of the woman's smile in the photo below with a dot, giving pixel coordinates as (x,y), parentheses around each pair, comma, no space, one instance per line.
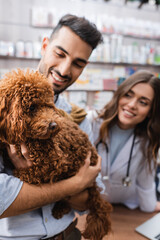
(135,105)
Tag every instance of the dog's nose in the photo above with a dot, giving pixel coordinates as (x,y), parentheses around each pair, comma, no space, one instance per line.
(52,125)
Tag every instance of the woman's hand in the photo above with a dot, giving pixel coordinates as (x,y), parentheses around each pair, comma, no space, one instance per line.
(19,162)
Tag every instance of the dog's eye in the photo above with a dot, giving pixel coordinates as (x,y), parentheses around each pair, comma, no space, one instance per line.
(32,107)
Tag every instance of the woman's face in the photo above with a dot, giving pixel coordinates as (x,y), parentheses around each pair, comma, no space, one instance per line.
(135,105)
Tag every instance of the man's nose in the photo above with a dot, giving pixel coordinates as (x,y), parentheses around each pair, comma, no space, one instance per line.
(65,68)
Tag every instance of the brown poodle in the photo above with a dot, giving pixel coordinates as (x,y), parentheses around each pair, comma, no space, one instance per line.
(57,146)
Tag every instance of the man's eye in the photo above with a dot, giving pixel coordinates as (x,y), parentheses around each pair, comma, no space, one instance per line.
(79,65)
(60,54)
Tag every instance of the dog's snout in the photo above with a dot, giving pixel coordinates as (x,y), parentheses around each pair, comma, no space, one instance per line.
(52,125)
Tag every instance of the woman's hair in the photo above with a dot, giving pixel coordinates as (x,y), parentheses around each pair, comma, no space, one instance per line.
(86,30)
(149,129)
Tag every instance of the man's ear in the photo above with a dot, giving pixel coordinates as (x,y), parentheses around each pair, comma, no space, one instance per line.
(45,43)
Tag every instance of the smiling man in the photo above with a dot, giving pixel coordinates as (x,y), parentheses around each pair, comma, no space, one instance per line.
(64,57)
(25,210)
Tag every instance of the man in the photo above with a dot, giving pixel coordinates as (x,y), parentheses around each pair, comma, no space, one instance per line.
(26,209)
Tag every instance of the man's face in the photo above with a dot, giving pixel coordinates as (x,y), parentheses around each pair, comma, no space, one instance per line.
(63,58)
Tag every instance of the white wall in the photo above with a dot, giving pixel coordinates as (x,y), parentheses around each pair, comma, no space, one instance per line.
(15,15)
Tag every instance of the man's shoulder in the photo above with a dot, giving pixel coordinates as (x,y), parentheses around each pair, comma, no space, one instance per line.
(63,104)
(93,118)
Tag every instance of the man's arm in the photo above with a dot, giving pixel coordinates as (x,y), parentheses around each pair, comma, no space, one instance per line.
(32,197)
(79,201)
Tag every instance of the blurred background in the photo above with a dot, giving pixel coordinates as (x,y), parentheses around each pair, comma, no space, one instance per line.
(131,31)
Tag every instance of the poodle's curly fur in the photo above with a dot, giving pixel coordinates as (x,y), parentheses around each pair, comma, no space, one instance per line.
(57,146)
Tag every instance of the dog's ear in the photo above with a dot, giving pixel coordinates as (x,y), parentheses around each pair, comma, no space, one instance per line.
(12,124)
(3,116)
(16,121)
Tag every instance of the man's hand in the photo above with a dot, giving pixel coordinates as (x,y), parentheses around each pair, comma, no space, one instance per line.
(84,178)
(78,201)
(32,196)
(19,162)
(87,174)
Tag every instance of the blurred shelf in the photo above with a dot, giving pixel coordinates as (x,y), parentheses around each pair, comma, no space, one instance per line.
(18,58)
(91,62)
(125,64)
(138,37)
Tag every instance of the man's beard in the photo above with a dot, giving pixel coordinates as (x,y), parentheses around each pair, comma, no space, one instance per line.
(42,69)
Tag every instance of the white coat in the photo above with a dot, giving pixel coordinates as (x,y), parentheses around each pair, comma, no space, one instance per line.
(141,193)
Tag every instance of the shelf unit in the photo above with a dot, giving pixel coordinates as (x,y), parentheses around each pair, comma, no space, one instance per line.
(11,58)
(86,98)
(21,27)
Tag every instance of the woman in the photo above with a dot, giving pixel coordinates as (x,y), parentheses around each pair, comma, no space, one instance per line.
(127,136)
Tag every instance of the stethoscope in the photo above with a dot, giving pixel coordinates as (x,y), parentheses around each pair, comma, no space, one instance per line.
(126,181)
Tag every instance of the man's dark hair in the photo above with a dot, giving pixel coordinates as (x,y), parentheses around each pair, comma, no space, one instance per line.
(86,30)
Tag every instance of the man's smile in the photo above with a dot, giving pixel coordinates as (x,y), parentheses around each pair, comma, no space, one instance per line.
(57,79)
